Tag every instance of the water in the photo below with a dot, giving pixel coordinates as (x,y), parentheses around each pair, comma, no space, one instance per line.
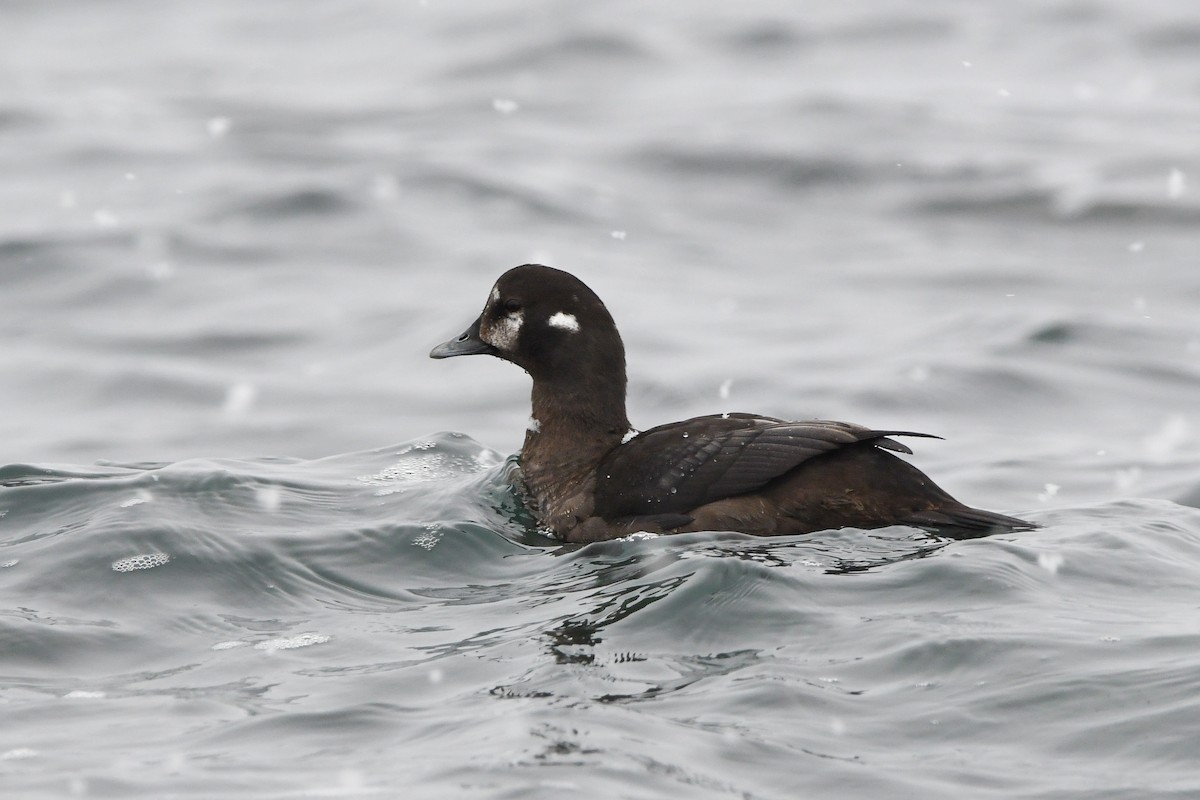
(238,559)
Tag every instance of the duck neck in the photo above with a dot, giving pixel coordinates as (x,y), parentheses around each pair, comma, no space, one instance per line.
(574,422)
(586,416)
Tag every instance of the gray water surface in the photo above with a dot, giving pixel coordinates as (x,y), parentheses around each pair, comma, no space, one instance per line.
(230,234)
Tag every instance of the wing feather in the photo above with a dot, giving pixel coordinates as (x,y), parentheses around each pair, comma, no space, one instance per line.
(675,468)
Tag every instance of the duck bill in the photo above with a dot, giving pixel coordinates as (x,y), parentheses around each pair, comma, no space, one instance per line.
(467,343)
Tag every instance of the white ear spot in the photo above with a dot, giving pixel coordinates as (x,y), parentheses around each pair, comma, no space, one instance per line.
(565,321)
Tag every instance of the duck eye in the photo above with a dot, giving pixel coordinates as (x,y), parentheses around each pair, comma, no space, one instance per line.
(512,304)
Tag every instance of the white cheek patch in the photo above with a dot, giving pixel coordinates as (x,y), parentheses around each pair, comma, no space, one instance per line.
(565,321)
(503,335)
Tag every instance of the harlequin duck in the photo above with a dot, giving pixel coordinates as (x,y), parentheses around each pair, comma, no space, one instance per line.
(590,477)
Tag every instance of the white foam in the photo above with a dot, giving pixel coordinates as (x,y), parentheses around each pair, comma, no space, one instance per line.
(144,561)
(18,753)
(292,642)
(533,426)
(565,321)
(429,539)
(141,497)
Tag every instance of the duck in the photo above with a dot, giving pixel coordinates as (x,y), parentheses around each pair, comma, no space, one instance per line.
(588,476)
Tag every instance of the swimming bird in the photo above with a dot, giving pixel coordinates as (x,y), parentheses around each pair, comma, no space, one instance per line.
(589,476)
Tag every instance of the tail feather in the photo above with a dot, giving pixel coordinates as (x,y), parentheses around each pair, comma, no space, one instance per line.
(964,522)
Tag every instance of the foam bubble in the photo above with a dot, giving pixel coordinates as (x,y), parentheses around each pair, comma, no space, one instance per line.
(144,561)
(431,536)
(83,694)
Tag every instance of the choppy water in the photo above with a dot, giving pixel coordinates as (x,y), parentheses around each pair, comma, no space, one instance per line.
(230,233)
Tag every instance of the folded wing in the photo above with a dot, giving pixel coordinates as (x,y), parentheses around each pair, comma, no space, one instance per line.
(681,466)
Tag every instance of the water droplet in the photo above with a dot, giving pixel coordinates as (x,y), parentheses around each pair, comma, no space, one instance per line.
(1050,562)
(105,218)
(269,498)
(1176,184)
(239,399)
(218,126)
(1050,490)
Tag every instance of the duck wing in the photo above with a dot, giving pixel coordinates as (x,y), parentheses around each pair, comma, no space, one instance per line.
(678,467)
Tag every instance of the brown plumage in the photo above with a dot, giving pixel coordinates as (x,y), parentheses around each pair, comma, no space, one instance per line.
(588,478)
